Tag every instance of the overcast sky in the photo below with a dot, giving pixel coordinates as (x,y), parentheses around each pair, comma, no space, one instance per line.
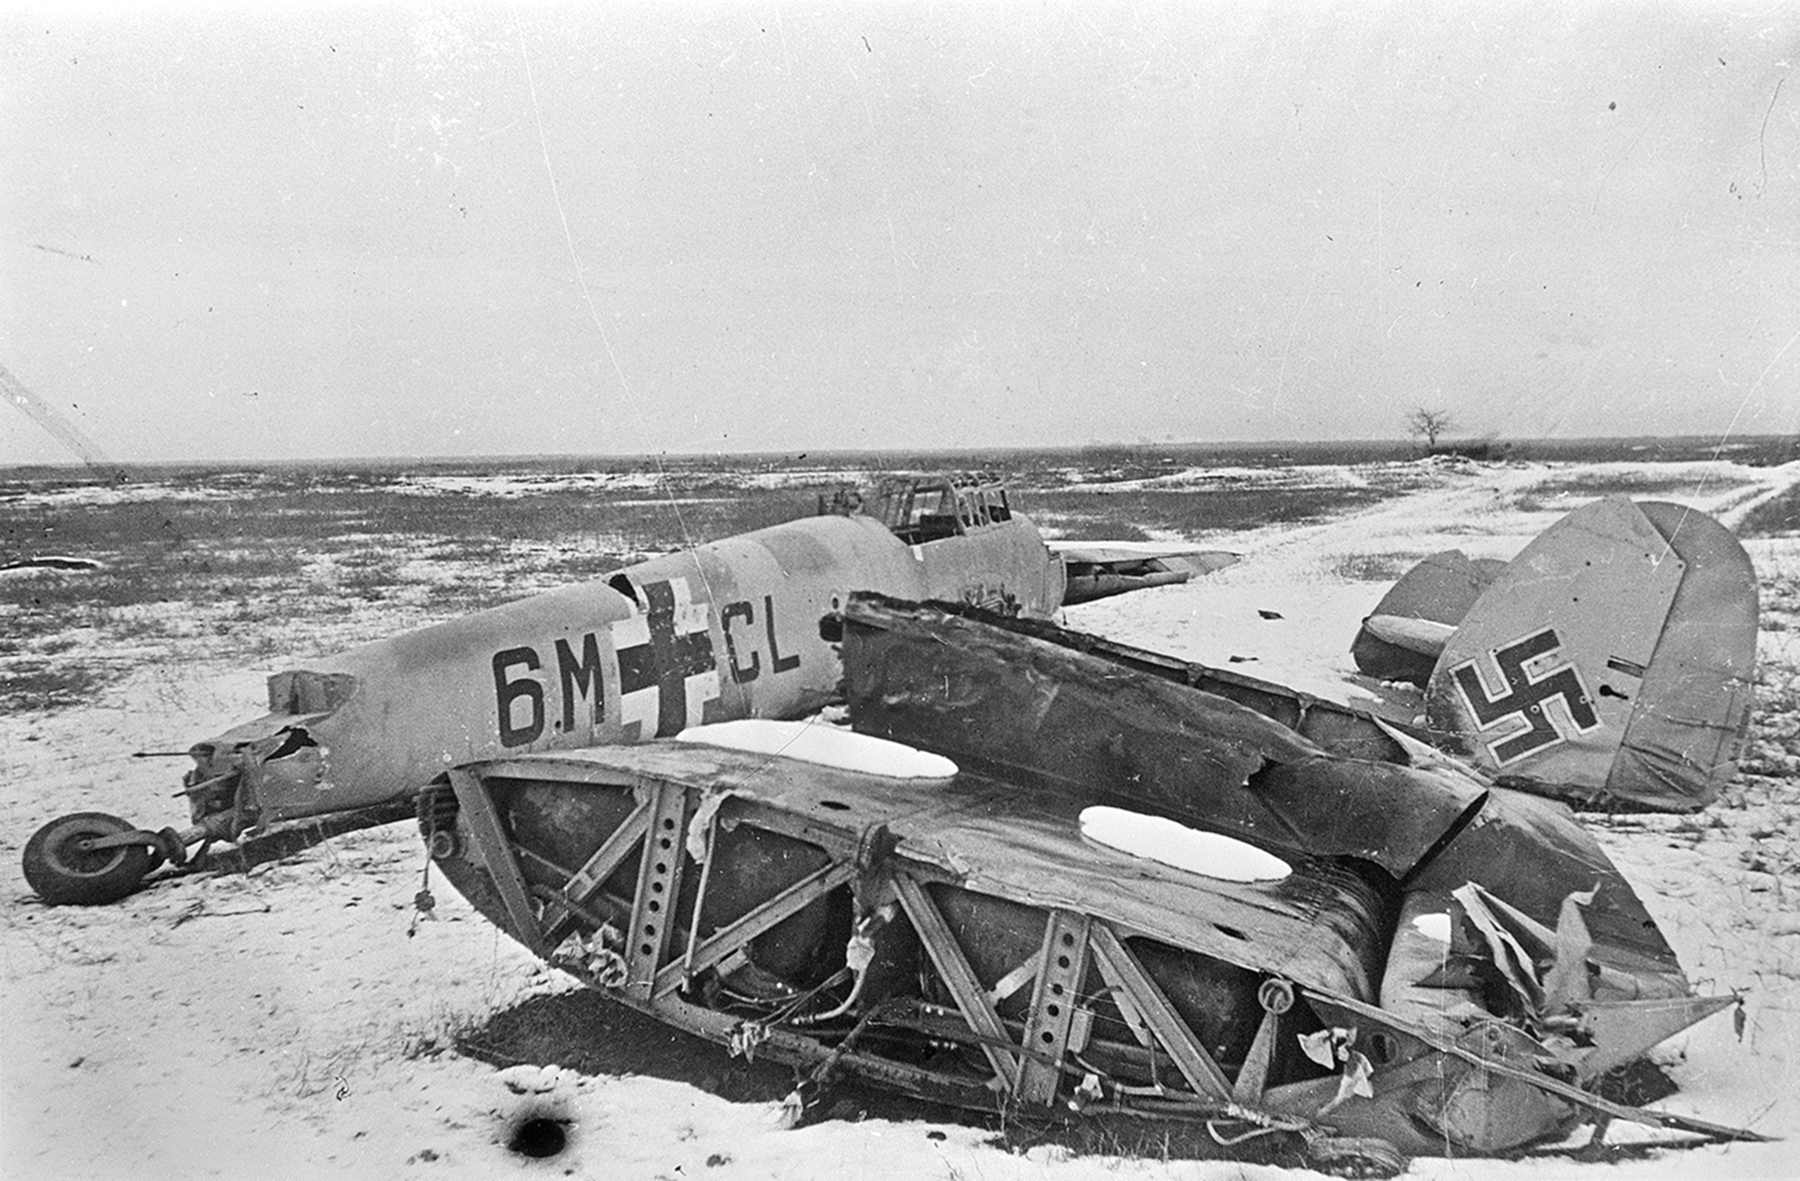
(328,231)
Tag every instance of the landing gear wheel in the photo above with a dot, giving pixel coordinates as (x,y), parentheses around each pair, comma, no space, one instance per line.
(65,874)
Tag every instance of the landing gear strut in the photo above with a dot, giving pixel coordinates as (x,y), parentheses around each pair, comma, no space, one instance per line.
(91,858)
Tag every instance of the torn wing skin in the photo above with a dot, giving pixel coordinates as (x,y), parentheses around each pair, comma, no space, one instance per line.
(1506,909)
(1006,695)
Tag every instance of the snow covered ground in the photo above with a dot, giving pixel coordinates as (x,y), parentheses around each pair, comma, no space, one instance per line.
(293,1022)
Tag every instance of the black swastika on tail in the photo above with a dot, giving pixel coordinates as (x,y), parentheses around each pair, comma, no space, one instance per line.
(1525,698)
(666,661)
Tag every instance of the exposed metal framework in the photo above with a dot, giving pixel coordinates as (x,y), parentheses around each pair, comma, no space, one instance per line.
(1031,1063)
(1041,1056)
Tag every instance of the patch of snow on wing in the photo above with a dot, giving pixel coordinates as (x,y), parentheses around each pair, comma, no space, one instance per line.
(1433,926)
(828,746)
(1209,854)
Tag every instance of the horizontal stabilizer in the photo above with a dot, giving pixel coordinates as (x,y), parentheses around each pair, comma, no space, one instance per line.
(1620,1031)
(1423,636)
(1439,589)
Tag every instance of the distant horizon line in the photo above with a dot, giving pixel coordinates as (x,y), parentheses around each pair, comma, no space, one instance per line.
(1450,447)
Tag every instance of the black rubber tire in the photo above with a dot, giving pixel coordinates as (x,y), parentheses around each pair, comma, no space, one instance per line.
(64,875)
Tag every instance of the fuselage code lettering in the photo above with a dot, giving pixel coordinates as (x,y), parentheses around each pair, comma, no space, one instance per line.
(653,658)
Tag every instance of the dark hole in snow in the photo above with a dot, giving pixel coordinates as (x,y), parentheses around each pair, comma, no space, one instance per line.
(1609,691)
(834,805)
(1233,932)
(623,585)
(538,1137)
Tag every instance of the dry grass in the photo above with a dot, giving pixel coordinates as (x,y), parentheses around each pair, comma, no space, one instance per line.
(35,683)
(1125,515)
(1592,487)
(1382,567)
(224,563)
(1774,517)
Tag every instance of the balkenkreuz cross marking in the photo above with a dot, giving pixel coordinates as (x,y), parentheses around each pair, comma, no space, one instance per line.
(667,659)
(1526,696)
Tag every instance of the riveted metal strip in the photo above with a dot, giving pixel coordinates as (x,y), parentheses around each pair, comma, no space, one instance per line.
(659,879)
(1064,961)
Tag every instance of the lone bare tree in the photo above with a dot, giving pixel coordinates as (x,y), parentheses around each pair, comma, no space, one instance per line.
(1428,423)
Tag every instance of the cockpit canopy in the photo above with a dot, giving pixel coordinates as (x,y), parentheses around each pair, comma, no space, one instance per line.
(922,508)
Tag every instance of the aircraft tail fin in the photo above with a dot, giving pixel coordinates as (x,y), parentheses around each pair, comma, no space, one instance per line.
(1611,663)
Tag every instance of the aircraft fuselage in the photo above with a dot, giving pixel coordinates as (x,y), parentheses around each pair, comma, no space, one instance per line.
(722,631)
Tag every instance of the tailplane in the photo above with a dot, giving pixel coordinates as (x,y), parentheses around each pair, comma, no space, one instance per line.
(1611,663)
(1402,639)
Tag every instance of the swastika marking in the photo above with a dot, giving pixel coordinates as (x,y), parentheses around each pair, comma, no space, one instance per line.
(1525,697)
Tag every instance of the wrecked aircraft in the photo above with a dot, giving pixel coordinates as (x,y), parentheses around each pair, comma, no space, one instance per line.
(1336,934)
(1611,663)
(720,631)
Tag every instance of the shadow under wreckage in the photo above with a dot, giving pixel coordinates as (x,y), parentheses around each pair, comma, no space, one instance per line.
(1340,936)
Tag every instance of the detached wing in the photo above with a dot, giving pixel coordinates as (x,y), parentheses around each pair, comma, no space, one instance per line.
(1097,569)
(1421,637)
